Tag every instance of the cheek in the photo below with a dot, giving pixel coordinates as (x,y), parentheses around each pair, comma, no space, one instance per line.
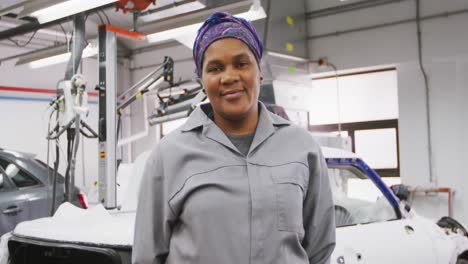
(210,85)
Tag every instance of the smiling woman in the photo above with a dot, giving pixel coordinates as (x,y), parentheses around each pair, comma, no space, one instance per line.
(236,183)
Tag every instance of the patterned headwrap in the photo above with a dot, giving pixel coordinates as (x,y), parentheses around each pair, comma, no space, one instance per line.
(223,25)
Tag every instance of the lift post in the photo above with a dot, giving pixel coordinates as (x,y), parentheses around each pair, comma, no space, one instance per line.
(107,111)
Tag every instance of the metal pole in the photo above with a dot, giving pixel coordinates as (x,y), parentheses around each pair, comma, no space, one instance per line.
(107,118)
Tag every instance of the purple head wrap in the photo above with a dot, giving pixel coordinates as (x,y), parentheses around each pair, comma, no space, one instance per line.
(223,25)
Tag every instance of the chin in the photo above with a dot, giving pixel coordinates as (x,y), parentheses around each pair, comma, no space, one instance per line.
(235,112)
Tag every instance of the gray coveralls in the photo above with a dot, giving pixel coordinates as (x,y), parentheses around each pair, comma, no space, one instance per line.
(202,201)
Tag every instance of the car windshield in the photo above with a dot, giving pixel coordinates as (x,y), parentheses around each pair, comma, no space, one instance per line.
(357,199)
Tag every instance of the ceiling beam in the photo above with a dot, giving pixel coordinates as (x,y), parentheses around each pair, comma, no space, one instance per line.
(348,7)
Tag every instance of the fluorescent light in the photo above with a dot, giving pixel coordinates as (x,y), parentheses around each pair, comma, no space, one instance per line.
(173,33)
(177,10)
(89,51)
(185,33)
(67,8)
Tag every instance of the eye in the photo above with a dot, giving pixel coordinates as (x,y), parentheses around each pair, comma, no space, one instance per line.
(243,64)
(213,69)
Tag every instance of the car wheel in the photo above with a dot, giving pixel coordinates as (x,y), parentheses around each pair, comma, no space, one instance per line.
(462,261)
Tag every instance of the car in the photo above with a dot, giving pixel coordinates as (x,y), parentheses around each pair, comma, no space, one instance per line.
(24,190)
(373,225)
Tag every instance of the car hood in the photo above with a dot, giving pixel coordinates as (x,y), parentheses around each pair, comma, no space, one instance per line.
(95,226)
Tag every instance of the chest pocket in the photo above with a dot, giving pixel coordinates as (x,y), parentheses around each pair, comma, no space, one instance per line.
(290,183)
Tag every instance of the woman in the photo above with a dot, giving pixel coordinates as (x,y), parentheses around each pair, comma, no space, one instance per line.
(236,183)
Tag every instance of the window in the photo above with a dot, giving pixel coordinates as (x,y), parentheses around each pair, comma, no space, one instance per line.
(3,184)
(357,199)
(20,178)
(378,147)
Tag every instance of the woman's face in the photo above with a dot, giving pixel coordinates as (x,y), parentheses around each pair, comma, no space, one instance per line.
(231,78)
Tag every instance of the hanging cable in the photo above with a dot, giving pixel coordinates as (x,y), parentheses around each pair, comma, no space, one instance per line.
(337,95)
(100,17)
(56,165)
(105,15)
(267,21)
(427,94)
(83,162)
(48,154)
(64,33)
(25,44)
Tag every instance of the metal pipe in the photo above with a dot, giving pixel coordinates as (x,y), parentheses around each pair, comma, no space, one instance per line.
(158,120)
(404,21)
(78,46)
(154,47)
(349,7)
(432,178)
(156,65)
(168,6)
(145,79)
(29,53)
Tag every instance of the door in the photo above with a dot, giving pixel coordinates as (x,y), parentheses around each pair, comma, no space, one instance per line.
(13,205)
(368,229)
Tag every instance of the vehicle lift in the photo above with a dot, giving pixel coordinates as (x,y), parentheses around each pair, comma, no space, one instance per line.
(111,108)
(72,99)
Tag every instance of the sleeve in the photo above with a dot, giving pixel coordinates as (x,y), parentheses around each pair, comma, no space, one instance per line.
(318,212)
(154,218)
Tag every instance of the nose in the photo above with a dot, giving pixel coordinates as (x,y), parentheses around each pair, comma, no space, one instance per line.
(230,76)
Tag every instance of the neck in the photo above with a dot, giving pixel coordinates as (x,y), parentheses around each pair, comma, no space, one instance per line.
(243,126)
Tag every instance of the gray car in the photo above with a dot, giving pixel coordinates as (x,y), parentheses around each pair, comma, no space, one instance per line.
(25,192)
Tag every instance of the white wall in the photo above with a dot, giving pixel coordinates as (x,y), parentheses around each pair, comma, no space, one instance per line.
(445,55)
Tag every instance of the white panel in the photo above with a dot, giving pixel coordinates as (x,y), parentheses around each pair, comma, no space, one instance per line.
(378,147)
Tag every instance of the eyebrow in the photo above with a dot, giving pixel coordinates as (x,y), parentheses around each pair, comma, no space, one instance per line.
(236,57)
(241,55)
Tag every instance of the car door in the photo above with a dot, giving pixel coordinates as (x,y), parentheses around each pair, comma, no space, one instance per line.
(13,205)
(368,229)
(38,193)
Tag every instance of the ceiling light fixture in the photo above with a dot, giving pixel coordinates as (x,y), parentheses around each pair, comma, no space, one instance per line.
(60,9)
(186,34)
(152,15)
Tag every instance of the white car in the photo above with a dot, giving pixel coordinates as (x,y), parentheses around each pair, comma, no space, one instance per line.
(373,226)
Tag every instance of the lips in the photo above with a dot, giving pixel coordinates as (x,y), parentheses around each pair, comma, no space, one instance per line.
(233,91)
(232,94)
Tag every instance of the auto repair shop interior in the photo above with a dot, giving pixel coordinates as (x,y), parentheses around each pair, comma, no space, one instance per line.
(88,88)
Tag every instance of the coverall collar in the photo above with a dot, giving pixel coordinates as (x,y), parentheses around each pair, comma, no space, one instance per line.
(267,125)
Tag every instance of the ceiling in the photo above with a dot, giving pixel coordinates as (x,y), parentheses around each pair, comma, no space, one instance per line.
(56,35)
